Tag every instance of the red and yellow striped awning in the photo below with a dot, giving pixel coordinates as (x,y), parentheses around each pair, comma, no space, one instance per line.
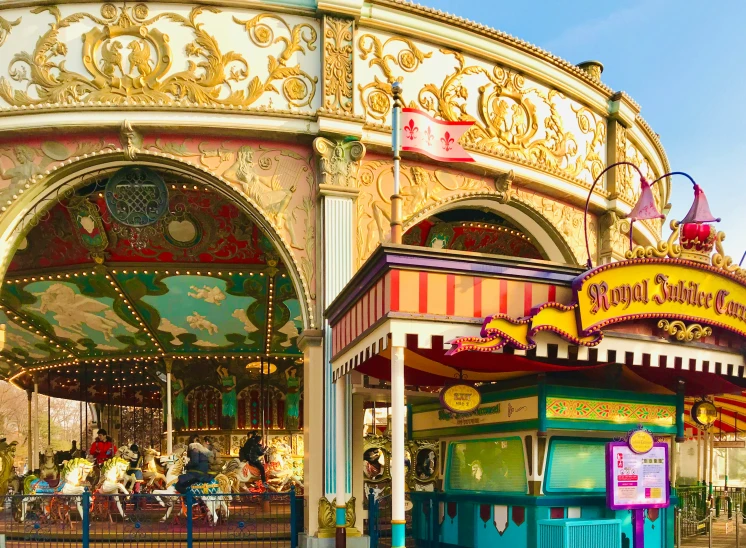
(731,414)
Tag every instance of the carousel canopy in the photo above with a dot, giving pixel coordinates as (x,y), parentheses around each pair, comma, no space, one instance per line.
(95,300)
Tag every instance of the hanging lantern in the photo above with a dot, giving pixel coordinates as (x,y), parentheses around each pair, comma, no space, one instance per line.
(645,207)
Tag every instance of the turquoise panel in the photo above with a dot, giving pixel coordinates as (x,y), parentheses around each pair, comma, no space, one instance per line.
(576,465)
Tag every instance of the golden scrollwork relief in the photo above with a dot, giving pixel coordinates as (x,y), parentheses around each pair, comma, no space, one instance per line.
(375,96)
(127,60)
(422,189)
(339,162)
(683,332)
(338,49)
(508,119)
(5,28)
(512,117)
(567,219)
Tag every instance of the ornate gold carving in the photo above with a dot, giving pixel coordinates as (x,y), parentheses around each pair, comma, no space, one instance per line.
(375,96)
(504,186)
(721,260)
(302,88)
(339,161)
(5,28)
(327,518)
(7,456)
(508,120)
(566,219)
(131,141)
(338,63)
(422,190)
(669,248)
(144,78)
(684,332)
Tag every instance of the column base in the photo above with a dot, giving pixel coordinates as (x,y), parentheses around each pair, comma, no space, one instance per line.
(359,541)
(351,532)
(398,534)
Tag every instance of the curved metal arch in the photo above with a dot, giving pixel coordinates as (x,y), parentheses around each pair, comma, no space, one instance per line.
(544,234)
(66,178)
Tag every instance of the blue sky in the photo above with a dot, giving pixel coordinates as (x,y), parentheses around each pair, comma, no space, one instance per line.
(685,63)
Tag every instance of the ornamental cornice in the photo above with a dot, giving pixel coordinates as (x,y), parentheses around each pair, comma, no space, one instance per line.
(300,7)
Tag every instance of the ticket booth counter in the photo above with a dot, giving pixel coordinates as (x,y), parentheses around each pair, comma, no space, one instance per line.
(530,461)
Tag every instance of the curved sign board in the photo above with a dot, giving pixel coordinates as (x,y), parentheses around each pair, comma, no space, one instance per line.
(660,288)
(460,398)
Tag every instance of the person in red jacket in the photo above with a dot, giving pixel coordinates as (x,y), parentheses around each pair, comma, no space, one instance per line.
(103,448)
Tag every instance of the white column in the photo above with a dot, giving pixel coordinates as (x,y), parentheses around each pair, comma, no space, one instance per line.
(30,437)
(397,447)
(37,440)
(169,415)
(341,449)
(699,455)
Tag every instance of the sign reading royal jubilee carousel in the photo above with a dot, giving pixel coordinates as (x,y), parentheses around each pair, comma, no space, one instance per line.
(660,288)
(672,282)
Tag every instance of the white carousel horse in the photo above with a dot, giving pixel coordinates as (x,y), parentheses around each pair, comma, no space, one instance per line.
(282,473)
(113,475)
(73,475)
(129,479)
(204,492)
(150,472)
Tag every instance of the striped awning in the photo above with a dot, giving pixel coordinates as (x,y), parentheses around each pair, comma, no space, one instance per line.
(731,414)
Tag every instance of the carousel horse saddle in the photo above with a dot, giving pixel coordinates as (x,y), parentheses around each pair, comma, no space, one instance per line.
(209,488)
(41,487)
(251,470)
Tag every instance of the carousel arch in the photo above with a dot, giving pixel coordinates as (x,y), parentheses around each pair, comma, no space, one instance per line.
(551,242)
(32,203)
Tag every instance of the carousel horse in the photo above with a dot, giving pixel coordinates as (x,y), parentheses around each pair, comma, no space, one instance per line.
(73,475)
(150,471)
(281,469)
(202,492)
(241,474)
(130,480)
(113,476)
(48,468)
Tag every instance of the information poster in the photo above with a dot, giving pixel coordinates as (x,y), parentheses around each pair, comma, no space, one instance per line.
(636,480)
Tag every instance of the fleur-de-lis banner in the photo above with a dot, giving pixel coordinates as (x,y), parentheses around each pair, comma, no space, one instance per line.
(437,139)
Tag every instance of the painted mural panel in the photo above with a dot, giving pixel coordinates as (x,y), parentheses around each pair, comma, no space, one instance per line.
(24,347)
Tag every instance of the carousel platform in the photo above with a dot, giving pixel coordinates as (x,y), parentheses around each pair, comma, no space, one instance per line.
(253,520)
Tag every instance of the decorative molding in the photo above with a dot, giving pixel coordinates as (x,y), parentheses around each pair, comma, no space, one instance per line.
(684,332)
(611,411)
(337,64)
(339,161)
(148,79)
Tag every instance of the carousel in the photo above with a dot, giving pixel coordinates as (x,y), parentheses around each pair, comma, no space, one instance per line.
(166,312)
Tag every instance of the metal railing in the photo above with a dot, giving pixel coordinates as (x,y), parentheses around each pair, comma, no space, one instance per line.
(379,522)
(271,520)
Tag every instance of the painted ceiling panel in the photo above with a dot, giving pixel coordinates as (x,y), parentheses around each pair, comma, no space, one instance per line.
(193,313)
(83,310)
(25,347)
(286,319)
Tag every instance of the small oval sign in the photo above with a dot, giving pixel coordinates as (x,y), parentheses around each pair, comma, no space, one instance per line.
(408,505)
(460,398)
(641,442)
(704,413)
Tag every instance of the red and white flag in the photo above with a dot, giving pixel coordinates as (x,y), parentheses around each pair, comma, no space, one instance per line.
(437,139)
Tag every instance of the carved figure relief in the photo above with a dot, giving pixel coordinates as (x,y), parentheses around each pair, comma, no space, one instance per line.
(421,189)
(567,219)
(338,64)
(128,60)
(614,236)
(339,161)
